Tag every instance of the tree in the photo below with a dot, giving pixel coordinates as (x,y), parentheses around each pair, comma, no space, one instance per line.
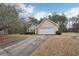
(60,19)
(75,24)
(9,19)
(30,21)
(62,23)
(54,17)
(75,27)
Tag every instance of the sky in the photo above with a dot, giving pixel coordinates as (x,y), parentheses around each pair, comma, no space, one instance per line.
(40,10)
(53,7)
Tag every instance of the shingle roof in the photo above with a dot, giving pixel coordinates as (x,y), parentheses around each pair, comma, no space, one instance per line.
(30,23)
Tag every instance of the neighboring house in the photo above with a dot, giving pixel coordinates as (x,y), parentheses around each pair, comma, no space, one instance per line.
(47,27)
(3,31)
(31,28)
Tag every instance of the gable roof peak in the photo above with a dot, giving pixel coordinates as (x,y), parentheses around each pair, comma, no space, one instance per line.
(44,19)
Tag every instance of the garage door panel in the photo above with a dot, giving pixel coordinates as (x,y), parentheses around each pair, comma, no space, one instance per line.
(47,31)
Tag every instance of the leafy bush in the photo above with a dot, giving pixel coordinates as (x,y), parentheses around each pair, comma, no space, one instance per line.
(58,32)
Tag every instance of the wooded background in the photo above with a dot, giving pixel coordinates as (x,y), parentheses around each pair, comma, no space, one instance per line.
(10,20)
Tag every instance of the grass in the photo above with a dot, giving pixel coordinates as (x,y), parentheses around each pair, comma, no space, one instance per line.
(66,44)
(12,37)
(8,40)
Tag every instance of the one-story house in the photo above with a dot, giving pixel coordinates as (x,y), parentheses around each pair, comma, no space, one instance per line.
(31,28)
(47,27)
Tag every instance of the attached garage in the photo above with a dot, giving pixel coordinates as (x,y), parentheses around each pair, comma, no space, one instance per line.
(47,27)
(47,31)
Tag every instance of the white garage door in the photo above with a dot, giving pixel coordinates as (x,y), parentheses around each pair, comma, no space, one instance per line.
(46,31)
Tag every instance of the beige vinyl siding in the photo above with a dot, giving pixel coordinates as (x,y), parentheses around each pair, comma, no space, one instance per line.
(47,24)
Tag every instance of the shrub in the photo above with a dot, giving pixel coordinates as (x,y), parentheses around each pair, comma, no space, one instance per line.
(29,33)
(58,32)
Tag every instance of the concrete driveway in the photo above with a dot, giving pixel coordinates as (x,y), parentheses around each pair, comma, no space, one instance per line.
(24,48)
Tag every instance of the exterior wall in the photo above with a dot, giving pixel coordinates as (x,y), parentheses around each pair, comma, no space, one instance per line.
(32,28)
(2,32)
(46,24)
